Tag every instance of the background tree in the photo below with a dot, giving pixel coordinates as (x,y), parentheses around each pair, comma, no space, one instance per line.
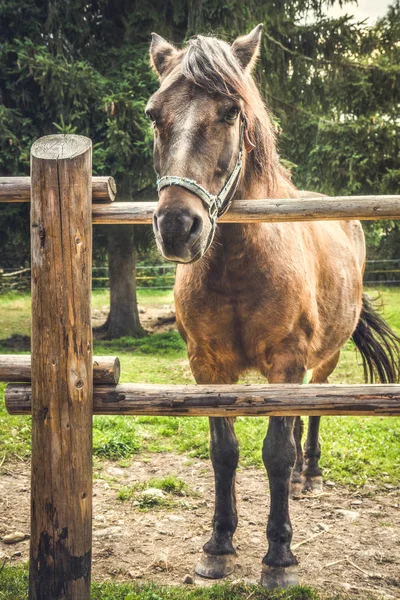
(82,66)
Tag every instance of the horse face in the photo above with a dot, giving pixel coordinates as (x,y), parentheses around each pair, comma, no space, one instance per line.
(196,136)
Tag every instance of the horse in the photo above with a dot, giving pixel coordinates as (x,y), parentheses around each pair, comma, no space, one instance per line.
(280,298)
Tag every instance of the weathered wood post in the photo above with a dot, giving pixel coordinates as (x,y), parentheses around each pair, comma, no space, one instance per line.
(62,386)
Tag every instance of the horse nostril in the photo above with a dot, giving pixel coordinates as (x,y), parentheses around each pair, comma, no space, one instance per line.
(196,228)
(155,223)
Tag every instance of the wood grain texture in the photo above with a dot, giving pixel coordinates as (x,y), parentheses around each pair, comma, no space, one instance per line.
(18,189)
(62,367)
(17,368)
(271,210)
(230,400)
(106,369)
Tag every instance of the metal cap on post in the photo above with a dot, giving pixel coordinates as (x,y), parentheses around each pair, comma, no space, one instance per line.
(62,369)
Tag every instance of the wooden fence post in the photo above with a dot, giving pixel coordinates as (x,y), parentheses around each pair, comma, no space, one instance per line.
(62,379)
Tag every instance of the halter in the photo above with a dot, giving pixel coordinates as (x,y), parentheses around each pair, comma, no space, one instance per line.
(217,204)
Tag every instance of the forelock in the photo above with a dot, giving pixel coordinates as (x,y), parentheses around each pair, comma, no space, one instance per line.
(211,64)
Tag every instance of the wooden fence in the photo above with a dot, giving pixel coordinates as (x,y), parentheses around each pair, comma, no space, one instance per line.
(61,396)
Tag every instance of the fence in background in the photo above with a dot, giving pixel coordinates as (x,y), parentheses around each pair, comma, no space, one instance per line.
(379,272)
(157,277)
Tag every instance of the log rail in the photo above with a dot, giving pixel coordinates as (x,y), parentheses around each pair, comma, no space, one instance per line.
(18,189)
(364,208)
(17,368)
(107,212)
(229,400)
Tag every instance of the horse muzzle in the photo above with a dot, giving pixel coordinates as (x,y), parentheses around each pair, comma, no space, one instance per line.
(179,233)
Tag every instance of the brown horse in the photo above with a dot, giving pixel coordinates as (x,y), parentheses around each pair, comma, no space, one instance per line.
(280,298)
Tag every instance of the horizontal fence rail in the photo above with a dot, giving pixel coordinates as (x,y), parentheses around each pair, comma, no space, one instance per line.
(230,400)
(18,367)
(365,208)
(18,189)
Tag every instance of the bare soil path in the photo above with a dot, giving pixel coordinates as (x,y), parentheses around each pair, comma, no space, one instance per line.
(346,540)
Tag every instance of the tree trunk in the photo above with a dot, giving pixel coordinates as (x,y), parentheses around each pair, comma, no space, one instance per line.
(123,319)
(195,17)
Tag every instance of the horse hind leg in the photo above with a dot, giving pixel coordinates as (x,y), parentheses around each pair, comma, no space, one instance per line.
(312,471)
(297,480)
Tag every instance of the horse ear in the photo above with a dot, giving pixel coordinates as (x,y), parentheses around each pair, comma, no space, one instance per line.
(247,48)
(161,53)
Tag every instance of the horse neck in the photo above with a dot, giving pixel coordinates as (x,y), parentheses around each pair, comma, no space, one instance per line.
(235,236)
(254,186)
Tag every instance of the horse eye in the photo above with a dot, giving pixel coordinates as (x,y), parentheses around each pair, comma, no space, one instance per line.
(151,117)
(232,114)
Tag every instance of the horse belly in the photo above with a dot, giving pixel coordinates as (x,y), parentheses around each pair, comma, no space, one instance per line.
(339,300)
(213,334)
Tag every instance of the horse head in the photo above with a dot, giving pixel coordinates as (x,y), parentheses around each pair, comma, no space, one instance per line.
(201,135)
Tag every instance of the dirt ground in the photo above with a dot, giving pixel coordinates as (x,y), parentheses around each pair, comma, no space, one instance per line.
(154,317)
(344,540)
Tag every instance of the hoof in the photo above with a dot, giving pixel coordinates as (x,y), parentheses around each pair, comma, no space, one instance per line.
(296,489)
(279,577)
(215,567)
(313,485)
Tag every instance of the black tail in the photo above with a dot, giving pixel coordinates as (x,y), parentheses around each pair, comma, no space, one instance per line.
(379,346)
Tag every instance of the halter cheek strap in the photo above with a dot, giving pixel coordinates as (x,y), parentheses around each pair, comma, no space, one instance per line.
(219,204)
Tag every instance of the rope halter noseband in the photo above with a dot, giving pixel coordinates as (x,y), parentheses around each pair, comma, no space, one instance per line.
(217,204)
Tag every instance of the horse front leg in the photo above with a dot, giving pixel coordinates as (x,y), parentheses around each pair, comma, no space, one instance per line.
(218,558)
(279,456)
(219,555)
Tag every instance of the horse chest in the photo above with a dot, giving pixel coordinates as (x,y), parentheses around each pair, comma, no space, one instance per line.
(227,312)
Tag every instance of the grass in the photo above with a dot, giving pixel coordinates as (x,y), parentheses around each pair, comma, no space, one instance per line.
(172,488)
(14,582)
(171,485)
(355,450)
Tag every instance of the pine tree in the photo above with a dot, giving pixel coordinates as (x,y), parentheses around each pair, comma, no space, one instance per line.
(332,84)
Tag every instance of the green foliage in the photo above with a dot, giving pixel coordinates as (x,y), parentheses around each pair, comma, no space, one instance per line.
(335,87)
(333,84)
(66,68)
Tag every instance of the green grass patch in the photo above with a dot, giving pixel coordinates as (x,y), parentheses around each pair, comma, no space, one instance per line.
(141,495)
(144,499)
(15,314)
(101,298)
(15,433)
(160,344)
(171,484)
(110,440)
(14,586)
(354,449)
